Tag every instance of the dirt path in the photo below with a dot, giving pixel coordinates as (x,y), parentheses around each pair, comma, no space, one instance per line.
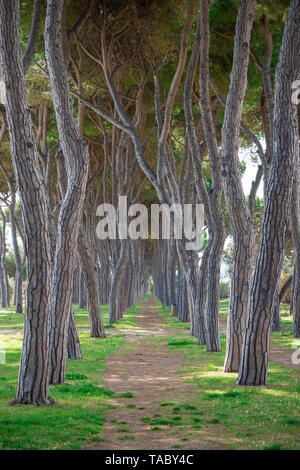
(146,370)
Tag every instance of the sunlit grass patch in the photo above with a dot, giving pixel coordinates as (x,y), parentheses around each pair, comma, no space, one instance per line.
(268,416)
(127,322)
(81,402)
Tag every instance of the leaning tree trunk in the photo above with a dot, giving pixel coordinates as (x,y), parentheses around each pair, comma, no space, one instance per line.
(19,264)
(276,323)
(201,296)
(295,229)
(89,272)
(81,290)
(2,280)
(119,271)
(76,156)
(33,387)
(74,351)
(212,338)
(255,357)
(242,224)
(6,299)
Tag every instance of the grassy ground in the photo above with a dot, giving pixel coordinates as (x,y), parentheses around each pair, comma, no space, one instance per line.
(9,320)
(282,338)
(238,417)
(81,402)
(246,417)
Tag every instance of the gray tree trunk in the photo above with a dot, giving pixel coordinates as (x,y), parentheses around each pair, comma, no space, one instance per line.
(33,387)
(76,156)
(242,224)
(295,229)
(255,355)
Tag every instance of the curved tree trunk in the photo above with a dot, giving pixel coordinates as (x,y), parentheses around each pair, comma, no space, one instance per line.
(201,297)
(74,351)
(6,296)
(81,290)
(76,156)
(33,387)
(295,229)
(114,296)
(213,289)
(18,261)
(242,224)
(89,272)
(276,323)
(255,356)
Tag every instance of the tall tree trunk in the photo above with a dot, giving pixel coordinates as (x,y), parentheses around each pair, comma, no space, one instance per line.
(119,271)
(255,357)
(201,298)
(76,156)
(89,271)
(19,264)
(33,385)
(74,351)
(81,290)
(295,229)
(242,224)
(6,296)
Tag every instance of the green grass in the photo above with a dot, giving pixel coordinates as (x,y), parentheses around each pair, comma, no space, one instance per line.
(238,417)
(127,437)
(282,338)
(81,402)
(126,395)
(264,413)
(10,320)
(170,321)
(127,322)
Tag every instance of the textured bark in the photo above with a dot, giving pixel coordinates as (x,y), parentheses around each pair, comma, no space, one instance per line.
(276,323)
(2,270)
(211,199)
(255,357)
(285,287)
(115,300)
(6,297)
(295,230)
(201,298)
(33,373)
(30,47)
(89,271)
(242,224)
(182,305)
(81,290)
(74,351)
(18,261)
(76,156)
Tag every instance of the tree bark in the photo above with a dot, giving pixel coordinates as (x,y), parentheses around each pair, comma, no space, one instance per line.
(255,355)
(33,385)
(242,224)
(74,351)
(19,264)
(76,156)
(89,272)
(295,230)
